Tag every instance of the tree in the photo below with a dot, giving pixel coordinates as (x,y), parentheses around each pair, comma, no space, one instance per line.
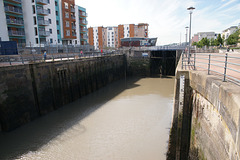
(233,38)
(219,40)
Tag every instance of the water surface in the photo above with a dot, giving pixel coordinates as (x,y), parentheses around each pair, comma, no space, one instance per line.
(127,120)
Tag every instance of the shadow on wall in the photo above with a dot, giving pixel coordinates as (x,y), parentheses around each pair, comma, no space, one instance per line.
(34,135)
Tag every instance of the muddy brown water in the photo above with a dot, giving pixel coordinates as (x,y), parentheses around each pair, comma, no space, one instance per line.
(126,120)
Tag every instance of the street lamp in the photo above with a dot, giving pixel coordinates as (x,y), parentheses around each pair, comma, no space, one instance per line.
(190,9)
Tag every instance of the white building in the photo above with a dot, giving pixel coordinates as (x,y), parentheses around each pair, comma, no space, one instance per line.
(227,32)
(39,22)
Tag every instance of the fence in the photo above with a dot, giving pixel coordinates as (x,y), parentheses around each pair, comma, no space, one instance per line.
(225,66)
(8,60)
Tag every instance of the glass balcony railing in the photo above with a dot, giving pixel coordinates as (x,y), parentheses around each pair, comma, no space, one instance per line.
(42,11)
(84,30)
(15,21)
(84,37)
(43,2)
(43,22)
(15,33)
(72,9)
(83,22)
(13,9)
(73,17)
(83,14)
(16,1)
(73,26)
(74,34)
(44,33)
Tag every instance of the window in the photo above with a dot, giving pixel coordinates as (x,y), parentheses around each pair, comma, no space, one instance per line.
(34,20)
(50,30)
(67,24)
(57,22)
(51,40)
(36,32)
(33,8)
(58,40)
(56,3)
(36,40)
(66,15)
(32,1)
(50,21)
(68,33)
(49,11)
(56,13)
(66,5)
(58,32)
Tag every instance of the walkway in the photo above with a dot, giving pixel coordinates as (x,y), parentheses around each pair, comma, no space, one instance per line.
(214,63)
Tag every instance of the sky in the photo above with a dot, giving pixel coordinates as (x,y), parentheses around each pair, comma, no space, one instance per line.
(167,19)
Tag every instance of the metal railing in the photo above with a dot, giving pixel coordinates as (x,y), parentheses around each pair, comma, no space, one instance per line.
(43,22)
(15,21)
(9,60)
(44,33)
(13,9)
(224,66)
(16,33)
(42,11)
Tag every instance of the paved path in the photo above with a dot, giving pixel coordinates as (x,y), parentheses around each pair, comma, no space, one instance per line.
(217,64)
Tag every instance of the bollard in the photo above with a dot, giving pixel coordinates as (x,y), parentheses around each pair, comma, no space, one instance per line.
(225,68)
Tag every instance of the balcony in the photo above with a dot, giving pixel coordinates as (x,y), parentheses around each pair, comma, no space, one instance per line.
(73,17)
(43,12)
(83,14)
(44,33)
(73,26)
(42,2)
(84,22)
(16,1)
(16,33)
(84,30)
(15,22)
(74,34)
(73,10)
(14,10)
(84,36)
(43,22)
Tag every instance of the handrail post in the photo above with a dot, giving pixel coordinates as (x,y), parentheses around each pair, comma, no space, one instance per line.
(9,59)
(225,68)
(194,62)
(22,59)
(182,59)
(209,63)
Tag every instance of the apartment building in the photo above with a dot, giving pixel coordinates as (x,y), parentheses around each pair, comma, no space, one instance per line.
(40,22)
(105,37)
(12,21)
(200,35)
(81,28)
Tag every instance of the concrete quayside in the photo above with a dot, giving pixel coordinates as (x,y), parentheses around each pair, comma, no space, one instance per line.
(206,110)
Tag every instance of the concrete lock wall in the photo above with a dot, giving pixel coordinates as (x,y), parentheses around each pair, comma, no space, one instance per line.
(206,120)
(29,91)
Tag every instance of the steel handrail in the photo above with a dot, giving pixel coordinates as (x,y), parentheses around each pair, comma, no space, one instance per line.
(191,61)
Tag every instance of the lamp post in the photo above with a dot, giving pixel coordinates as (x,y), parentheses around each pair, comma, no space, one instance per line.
(190,9)
(186,34)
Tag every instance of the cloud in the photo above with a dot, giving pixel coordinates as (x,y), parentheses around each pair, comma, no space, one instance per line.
(167,19)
